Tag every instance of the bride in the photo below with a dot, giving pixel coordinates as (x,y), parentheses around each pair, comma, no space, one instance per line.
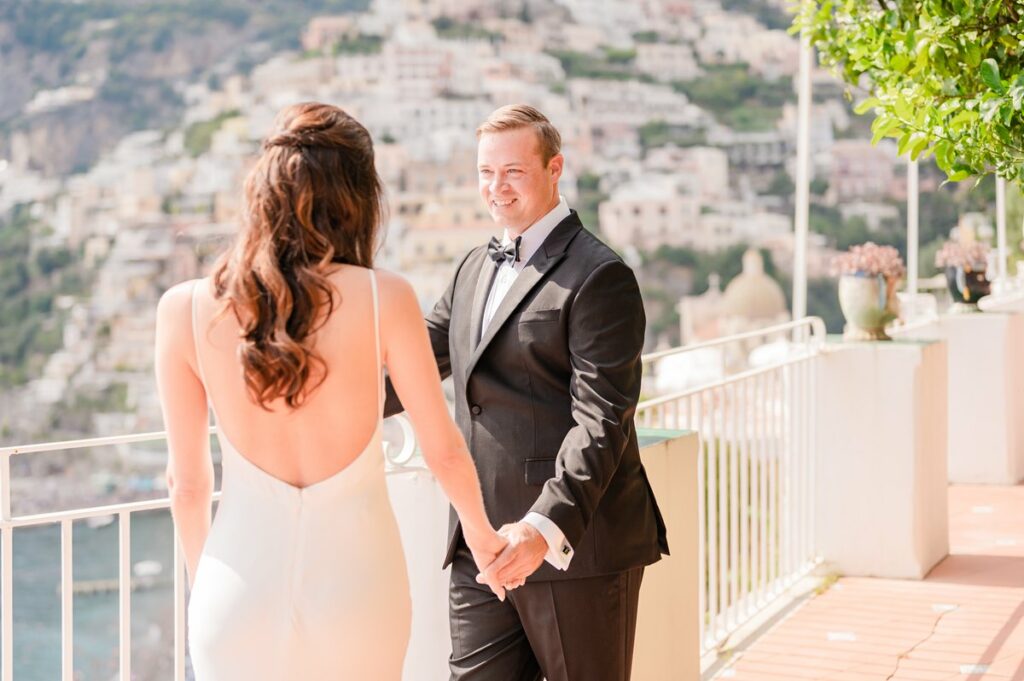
(301,575)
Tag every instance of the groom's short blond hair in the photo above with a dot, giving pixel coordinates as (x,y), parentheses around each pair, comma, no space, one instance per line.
(516,116)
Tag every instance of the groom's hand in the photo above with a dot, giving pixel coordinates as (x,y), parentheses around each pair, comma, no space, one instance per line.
(521,558)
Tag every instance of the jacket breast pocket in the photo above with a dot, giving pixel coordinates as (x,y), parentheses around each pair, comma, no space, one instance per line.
(538,471)
(533,316)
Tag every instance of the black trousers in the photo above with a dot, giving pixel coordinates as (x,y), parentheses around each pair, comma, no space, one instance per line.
(568,630)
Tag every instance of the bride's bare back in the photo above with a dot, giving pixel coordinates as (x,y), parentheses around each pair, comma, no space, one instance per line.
(309,444)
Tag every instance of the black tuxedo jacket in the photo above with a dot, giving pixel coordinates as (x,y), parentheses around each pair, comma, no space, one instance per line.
(545,398)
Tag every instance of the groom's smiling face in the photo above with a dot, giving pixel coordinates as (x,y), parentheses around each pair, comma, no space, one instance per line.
(515,183)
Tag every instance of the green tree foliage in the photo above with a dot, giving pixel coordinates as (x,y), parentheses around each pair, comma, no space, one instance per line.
(659,133)
(199,135)
(624,57)
(647,37)
(781,184)
(584,65)
(946,78)
(767,13)
(451,29)
(29,282)
(360,44)
(589,198)
(738,98)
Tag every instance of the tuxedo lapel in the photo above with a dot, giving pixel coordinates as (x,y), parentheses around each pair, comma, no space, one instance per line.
(548,256)
(485,277)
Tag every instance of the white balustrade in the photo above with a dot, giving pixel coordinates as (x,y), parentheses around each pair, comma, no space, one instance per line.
(755,507)
(757,427)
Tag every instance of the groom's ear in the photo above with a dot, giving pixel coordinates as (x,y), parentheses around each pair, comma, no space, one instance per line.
(555,166)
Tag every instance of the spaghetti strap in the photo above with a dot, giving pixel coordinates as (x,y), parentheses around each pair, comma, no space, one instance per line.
(195,333)
(376,335)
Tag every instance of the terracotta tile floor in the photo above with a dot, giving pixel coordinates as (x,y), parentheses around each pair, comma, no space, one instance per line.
(963,622)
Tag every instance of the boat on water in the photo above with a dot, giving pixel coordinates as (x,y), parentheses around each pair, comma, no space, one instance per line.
(97,521)
(146,574)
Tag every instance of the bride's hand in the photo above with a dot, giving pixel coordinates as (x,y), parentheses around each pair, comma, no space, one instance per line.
(485,549)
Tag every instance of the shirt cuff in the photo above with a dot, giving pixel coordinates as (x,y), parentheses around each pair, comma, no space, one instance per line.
(559,552)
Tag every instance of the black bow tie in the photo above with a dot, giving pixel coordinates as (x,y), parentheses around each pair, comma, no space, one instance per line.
(508,253)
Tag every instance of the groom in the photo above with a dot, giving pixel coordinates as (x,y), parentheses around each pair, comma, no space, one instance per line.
(542,332)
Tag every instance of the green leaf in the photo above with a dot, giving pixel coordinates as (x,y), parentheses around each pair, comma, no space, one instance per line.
(922,59)
(886,126)
(903,108)
(899,63)
(965,116)
(866,105)
(990,75)
(941,149)
(918,146)
(958,176)
(903,143)
(972,54)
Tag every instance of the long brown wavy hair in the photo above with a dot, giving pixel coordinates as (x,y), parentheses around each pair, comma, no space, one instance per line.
(312,199)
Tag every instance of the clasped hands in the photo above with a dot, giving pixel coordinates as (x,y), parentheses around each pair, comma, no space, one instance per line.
(522,553)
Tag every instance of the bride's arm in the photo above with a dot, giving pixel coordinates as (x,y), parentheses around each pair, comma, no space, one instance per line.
(183,401)
(414,374)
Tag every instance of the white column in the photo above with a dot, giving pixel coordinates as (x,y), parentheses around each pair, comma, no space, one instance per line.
(1001,251)
(913,200)
(803,180)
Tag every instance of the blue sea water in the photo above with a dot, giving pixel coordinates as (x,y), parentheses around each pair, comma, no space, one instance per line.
(37,609)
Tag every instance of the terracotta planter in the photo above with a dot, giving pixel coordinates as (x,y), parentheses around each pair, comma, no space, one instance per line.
(869,303)
(966,286)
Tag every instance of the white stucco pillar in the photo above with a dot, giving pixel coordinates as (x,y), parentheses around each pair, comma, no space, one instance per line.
(913,202)
(1001,250)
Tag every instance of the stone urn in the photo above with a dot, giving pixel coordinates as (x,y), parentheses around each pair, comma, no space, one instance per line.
(966,285)
(869,303)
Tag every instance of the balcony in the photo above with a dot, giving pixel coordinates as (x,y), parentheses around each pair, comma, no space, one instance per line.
(808,522)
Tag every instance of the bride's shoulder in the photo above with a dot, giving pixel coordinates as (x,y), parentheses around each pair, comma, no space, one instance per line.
(397,297)
(391,284)
(176,302)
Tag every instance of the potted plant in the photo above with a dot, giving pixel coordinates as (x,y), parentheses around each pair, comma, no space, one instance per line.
(868,274)
(965,264)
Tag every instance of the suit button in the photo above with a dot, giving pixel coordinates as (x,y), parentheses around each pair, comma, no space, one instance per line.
(476,409)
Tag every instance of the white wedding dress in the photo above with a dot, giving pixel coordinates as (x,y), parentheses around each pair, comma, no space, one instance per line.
(303,583)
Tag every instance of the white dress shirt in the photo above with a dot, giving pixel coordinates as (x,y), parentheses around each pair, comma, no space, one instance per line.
(559,552)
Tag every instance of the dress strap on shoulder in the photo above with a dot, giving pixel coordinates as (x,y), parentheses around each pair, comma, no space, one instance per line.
(195,332)
(376,336)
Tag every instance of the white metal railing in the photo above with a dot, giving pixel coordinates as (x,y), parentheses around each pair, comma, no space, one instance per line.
(124,513)
(756,424)
(756,504)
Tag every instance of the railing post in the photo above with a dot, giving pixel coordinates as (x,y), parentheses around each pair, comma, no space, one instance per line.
(124,532)
(6,570)
(179,611)
(67,602)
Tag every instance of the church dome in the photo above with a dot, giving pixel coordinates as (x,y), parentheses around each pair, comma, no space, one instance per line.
(753,294)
